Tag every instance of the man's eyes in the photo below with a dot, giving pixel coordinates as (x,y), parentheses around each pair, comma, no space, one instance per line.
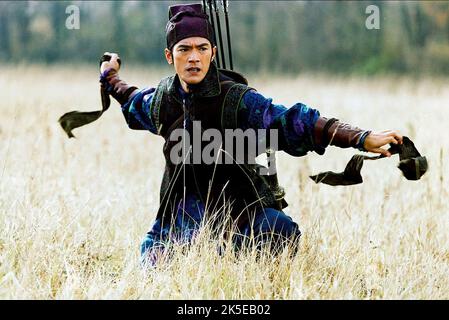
(186,49)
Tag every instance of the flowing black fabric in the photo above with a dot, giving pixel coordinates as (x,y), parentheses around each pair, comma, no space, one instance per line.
(411,163)
(75,119)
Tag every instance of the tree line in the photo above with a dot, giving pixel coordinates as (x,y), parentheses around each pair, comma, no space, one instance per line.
(270,36)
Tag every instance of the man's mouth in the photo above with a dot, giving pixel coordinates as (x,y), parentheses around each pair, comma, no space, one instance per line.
(193,70)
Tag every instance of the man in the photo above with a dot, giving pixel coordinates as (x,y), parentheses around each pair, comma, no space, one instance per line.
(226,194)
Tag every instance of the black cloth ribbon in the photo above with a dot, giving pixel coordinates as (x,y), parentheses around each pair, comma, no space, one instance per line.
(75,119)
(411,163)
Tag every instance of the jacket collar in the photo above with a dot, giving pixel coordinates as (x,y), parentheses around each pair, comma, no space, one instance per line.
(209,87)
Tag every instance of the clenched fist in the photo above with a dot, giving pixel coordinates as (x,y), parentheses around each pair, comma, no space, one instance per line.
(110,61)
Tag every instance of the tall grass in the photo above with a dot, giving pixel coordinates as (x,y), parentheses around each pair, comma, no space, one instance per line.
(73,212)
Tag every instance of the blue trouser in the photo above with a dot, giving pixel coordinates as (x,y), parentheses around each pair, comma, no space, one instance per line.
(270,226)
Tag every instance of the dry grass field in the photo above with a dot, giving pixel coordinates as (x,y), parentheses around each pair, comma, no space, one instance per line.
(73,212)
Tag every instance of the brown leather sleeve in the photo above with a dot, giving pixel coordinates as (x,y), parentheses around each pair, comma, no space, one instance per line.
(336,133)
(119,89)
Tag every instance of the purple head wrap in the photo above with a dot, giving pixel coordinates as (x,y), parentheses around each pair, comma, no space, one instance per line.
(187,20)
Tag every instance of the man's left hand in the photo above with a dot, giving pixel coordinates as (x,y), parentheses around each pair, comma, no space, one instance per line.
(376,140)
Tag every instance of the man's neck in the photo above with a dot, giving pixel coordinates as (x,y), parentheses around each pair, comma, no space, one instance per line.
(184,86)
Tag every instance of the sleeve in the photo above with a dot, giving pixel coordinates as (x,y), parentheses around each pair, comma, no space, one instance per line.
(137,111)
(135,103)
(295,125)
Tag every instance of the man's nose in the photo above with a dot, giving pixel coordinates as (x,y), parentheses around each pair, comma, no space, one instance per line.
(194,56)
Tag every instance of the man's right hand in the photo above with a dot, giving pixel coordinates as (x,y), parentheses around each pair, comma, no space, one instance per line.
(113,63)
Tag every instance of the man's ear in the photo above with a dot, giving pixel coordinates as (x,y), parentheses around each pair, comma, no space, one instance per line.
(168,56)
(214,52)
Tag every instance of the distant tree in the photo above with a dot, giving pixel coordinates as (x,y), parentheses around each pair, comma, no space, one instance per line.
(416,23)
(4,32)
(438,13)
(16,25)
(57,15)
(118,26)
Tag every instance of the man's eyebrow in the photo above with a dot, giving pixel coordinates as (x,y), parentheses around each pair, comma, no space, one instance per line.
(186,46)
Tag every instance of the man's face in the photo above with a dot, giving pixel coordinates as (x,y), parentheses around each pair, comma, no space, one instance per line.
(191,58)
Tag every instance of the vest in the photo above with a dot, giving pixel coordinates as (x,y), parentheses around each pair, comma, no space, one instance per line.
(215,103)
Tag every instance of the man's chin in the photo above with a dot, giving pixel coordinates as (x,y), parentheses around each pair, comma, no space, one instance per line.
(194,80)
